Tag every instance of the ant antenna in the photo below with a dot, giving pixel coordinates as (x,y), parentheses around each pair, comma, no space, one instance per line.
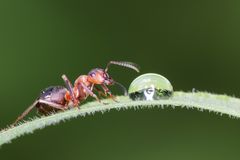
(123,88)
(124,64)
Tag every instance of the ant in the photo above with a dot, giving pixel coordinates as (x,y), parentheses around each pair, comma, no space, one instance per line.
(59,98)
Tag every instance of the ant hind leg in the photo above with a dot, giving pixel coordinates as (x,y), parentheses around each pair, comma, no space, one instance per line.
(25,112)
(53,105)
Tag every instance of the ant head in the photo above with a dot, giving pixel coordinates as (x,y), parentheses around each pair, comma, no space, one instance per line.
(99,76)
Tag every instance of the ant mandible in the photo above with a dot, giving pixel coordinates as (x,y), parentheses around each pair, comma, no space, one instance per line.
(59,98)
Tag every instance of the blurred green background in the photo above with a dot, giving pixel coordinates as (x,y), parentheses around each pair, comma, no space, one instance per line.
(195,44)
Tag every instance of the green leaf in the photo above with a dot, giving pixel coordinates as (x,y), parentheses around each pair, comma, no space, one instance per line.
(200,100)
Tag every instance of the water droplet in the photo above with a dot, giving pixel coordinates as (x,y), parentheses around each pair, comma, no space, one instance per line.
(150,86)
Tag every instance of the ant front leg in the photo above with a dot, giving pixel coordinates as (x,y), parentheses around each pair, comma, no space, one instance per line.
(100,92)
(108,92)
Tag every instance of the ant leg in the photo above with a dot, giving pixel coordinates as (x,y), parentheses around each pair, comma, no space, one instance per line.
(25,112)
(52,104)
(100,92)
(90,92)
(70,89)
(43,111)
(107,91)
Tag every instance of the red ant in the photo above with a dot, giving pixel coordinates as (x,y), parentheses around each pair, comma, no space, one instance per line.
(59,98)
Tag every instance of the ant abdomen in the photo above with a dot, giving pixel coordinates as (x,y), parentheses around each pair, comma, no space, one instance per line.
(54,94)
(52,99)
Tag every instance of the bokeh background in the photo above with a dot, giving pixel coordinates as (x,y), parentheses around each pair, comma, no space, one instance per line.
(194,43)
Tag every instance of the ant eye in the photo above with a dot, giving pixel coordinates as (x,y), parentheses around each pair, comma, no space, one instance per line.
(92,74)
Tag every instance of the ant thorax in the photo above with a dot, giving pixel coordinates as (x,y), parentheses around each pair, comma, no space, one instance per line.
(79,90)
(83,79)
